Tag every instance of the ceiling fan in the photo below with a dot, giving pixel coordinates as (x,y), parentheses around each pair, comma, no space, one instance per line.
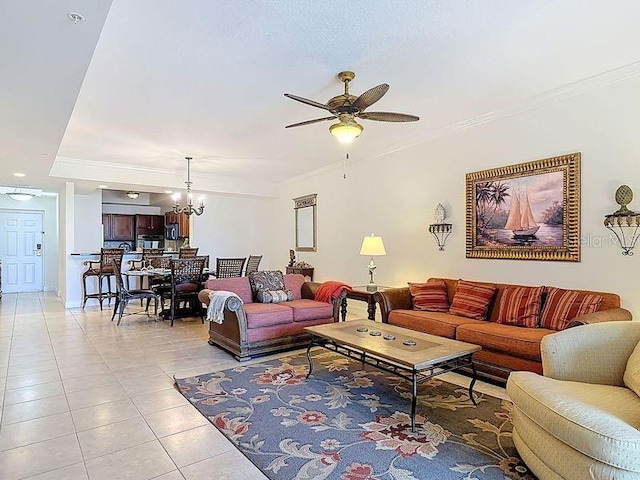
(347,108)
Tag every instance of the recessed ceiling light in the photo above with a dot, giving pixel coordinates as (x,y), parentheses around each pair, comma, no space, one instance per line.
(103,186)
(168,191)
(18,174)
(75,17)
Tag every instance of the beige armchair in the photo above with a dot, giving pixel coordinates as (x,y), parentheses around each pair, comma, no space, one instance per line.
(579,421)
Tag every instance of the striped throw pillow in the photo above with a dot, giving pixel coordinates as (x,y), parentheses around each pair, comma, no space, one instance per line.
(520,306)
(562,306)
(472,299)
(431,296)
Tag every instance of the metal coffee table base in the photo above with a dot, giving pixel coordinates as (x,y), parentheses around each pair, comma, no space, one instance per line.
(413,375)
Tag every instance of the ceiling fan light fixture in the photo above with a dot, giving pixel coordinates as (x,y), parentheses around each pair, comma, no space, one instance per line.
(346,130)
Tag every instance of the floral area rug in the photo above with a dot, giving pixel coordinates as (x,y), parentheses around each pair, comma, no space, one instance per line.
(352,423)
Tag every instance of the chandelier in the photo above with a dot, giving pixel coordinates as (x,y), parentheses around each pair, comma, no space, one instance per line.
(188,209)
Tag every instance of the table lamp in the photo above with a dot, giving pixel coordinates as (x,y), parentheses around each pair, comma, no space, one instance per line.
(372,245)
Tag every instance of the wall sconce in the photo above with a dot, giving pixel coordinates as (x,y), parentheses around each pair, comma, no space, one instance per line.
(133,195)
(624,223)
(440,230)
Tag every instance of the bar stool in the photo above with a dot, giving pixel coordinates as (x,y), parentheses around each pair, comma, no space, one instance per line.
(100,270)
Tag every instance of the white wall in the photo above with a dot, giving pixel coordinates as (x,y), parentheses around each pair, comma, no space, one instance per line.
(68,270)
(233,226)
(395,196)
(131,209)
(88,222)
(47,205)
(114,201)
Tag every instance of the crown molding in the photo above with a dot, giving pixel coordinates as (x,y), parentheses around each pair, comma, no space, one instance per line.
(137,177)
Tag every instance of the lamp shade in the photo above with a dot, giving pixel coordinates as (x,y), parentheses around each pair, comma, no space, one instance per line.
(372,245)
(346,131)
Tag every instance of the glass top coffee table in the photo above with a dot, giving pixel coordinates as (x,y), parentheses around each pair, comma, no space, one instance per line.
(414,356)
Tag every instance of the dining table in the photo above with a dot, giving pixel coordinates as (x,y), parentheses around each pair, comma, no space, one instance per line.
(163,273)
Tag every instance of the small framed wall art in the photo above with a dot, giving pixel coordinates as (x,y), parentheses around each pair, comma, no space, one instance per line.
(528,211)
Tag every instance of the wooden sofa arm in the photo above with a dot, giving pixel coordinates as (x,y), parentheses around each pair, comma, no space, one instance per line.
(609,315)
(233,304)
(393,299)
(309,290)
(235,317)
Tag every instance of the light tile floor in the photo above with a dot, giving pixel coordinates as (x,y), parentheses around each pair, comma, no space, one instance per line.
(85,399)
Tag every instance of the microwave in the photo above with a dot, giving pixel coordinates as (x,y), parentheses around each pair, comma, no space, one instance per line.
(171,231)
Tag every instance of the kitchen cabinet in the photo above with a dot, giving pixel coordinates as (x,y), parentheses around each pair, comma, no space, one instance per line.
(181,219)
(106,226)
(118,227)
(150,225)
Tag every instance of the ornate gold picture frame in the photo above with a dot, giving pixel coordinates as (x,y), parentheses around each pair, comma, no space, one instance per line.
(528,211)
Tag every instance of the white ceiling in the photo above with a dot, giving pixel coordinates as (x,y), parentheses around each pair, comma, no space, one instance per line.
(206,79)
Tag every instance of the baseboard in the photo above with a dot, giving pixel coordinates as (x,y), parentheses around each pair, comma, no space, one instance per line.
(76,304)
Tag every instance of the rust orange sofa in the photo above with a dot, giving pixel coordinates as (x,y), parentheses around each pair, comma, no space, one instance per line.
(504,347)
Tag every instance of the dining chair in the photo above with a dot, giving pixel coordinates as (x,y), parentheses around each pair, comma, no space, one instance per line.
(252,264)
(186,283)
(101,269)
(159,261)
(124,294)
(229,267)
(205,275)
(188,252)
(205,258)
(160,284)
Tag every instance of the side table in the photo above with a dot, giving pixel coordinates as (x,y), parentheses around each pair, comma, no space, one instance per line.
(306,271)
(360,292)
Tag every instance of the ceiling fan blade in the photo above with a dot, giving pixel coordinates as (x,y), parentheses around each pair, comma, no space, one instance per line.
(388,117)
(307,101)
(371,96)
(309,122)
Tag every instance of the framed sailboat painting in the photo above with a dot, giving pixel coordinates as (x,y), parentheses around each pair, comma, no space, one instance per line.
(528,211)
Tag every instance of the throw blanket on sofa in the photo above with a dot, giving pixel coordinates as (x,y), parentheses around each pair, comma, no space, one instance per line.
(217,300)
(330,290)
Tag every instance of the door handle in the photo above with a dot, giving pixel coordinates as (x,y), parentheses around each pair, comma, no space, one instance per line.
(38,250)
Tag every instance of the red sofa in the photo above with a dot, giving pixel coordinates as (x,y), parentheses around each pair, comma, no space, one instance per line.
(251,328)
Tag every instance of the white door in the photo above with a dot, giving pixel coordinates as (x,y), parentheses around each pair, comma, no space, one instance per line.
(21,250)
